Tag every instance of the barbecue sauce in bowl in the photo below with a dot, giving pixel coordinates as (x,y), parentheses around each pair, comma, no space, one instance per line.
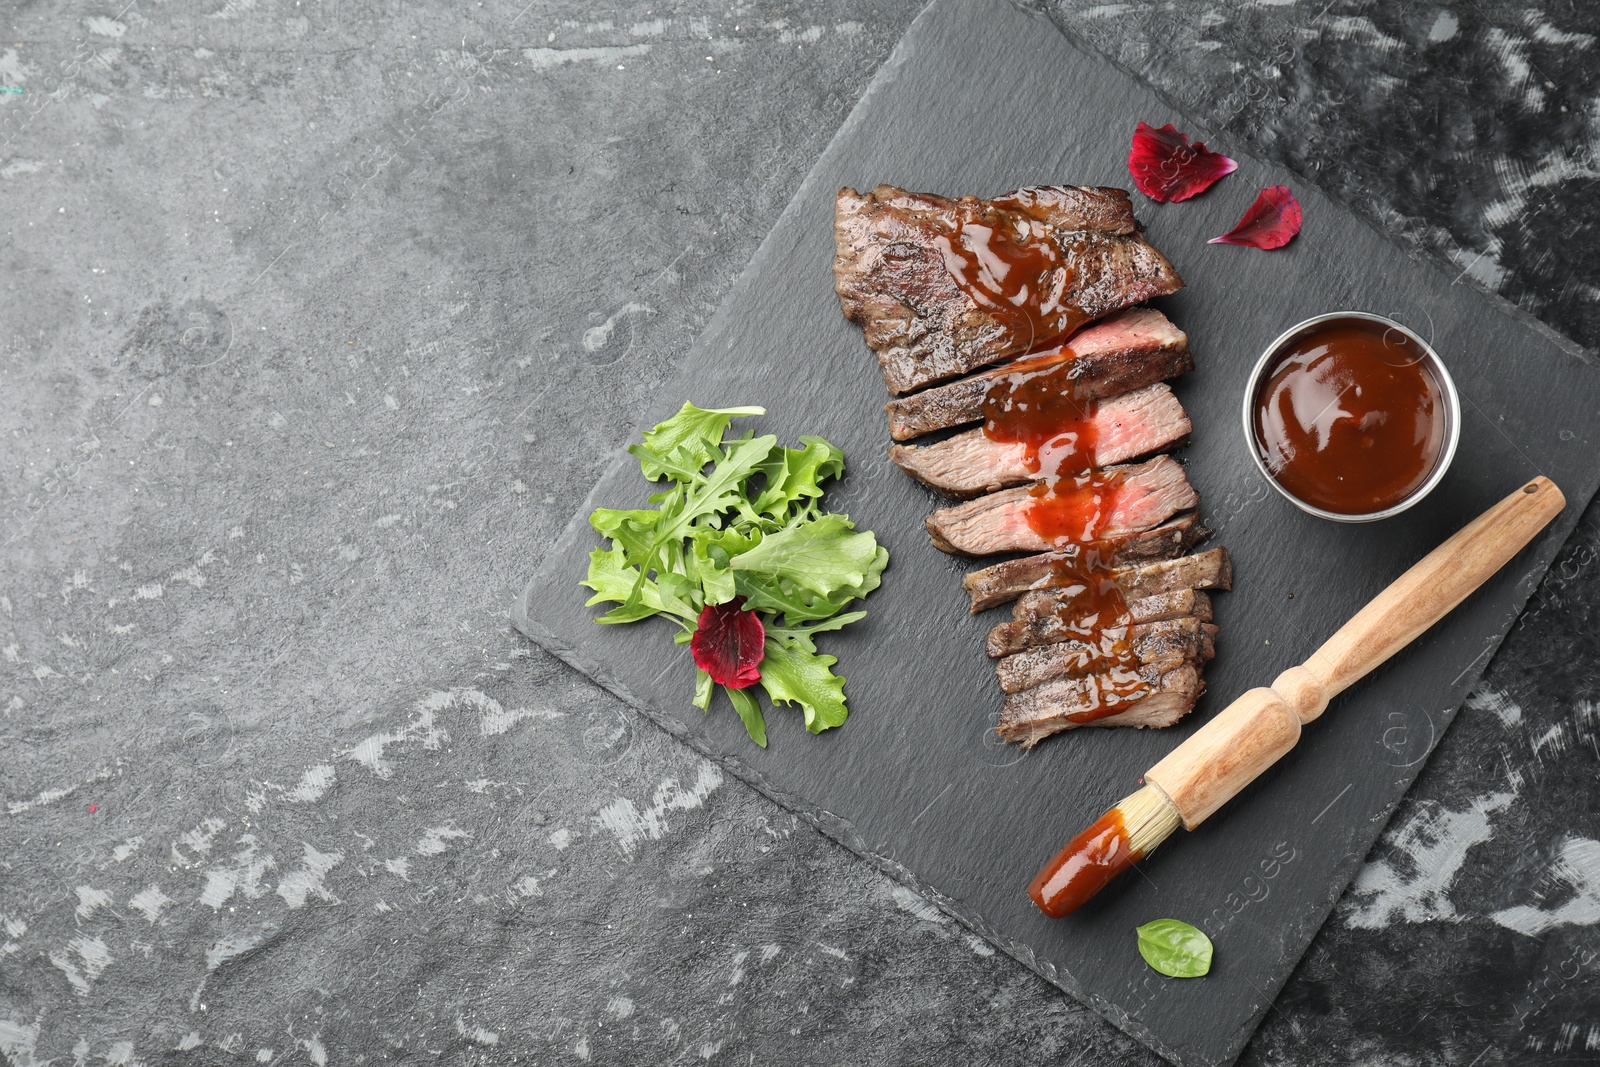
(1349,416)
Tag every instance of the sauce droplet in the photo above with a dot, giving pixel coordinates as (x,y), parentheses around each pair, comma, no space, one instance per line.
(1349,417)
(1084,867)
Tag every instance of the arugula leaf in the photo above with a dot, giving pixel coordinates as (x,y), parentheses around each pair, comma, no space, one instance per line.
(633,531)
(1175,948)
(838,622)
(704,498)
(681,446)
(613,580)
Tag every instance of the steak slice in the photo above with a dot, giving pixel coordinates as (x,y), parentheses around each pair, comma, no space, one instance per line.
(943,286)
(1005,581)
(1125,351)
(1165,692)
(1203,570)
(1012,637)
(1114,431)
(1101,505)
(1187,638)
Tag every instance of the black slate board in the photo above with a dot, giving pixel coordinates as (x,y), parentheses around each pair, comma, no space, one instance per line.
(982,98)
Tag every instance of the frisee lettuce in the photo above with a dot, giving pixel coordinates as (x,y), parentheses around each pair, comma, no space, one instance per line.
(740,518)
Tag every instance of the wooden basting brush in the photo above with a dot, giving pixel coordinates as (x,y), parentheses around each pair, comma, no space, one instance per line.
(1252,733)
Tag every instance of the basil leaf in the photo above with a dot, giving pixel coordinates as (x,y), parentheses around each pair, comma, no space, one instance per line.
(1175,948)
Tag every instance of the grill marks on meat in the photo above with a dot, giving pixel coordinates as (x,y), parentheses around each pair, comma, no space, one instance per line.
(1111,625)
(1121,429)
(1162,693)
(1203,570)
(1126,351)
(1015,636)
(944,286)
(1110,504)
(1005,581)
(1187,638)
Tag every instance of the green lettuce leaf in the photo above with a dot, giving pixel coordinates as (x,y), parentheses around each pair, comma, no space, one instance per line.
(820,555)
(794,672)
(749,709)
(795,475)
(685,443)
(740,518)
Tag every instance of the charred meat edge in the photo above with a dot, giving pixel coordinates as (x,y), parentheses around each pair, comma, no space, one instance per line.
(1186,637)
(1034,714)
(1127,427)
(1211,569)
(1105,362)
(1002,582)
(924,327)
(1012,637)
(1150,493)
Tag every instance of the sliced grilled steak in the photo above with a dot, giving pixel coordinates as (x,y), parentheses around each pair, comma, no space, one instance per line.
(1002,582)
(1167,691)
(1203,570)
(1186,638)
(1012,637)
(1102,505)
(1126,351)
(1113,431)
(945,286)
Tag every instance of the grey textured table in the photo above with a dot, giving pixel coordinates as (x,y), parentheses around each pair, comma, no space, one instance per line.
(321,318)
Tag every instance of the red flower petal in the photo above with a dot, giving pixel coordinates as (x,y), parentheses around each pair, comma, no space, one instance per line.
(729,644)
(1166,167)
(1271,222)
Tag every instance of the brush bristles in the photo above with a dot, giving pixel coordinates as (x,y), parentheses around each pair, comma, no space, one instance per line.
(1148,818)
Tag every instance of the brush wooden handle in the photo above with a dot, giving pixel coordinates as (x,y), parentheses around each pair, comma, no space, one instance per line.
(1249,735)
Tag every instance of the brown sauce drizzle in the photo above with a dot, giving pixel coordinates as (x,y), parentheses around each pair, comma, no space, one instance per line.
(1019,278)
(1095,613)
(1074,507)
(1037,409)
(1084,867)
(1349,419)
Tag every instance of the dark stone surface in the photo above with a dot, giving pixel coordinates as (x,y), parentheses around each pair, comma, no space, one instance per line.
(917,781)
(318,321)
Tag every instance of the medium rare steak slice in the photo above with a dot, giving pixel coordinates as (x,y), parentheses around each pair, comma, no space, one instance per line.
(1011,637)
(943,286)
(1211,569)
(1100,505)
(1187,638)
(1158,694)
(1103,433)
(1001,582)
(1125,351)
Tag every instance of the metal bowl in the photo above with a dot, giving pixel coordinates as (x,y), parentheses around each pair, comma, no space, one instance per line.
(1451,404)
